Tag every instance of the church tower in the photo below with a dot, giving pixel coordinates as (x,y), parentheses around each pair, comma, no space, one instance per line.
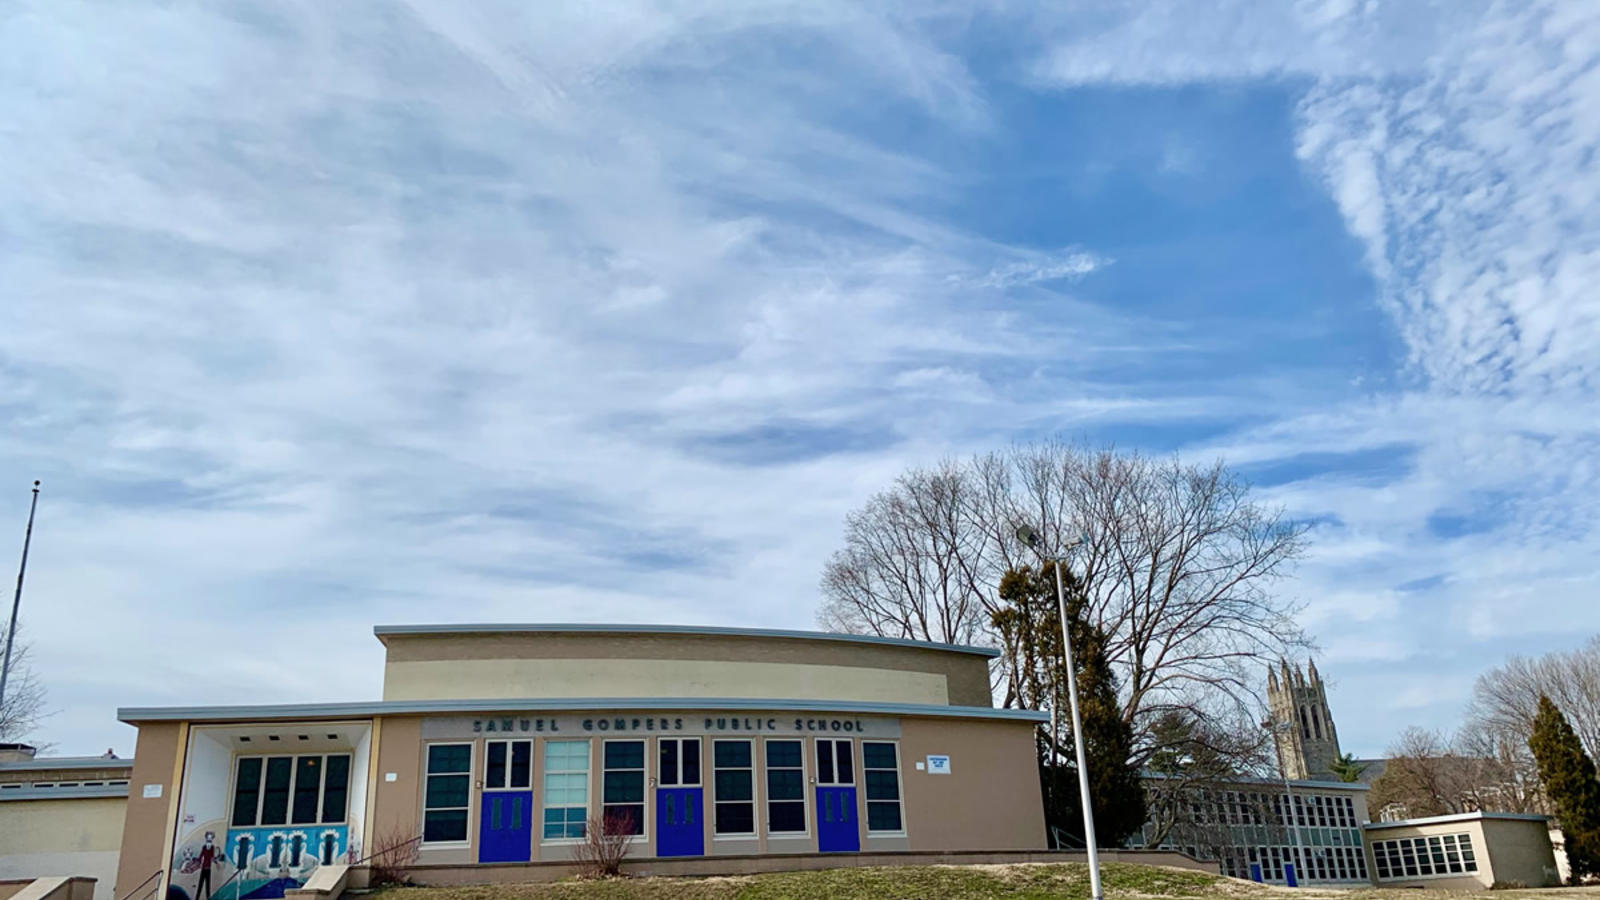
(1312,745)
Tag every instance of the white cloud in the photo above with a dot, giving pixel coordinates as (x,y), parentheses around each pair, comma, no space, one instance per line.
(1458,142)
(318,317)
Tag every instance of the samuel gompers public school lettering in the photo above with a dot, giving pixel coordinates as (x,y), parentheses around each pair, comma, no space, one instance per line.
(676,723)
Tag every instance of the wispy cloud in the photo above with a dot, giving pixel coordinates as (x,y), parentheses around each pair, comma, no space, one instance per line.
(319,316)
(1068,265)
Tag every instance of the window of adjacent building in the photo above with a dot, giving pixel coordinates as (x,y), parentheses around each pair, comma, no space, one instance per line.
(835,761)
(880,768)
(311,789)
(507,764)
(1421,857)
(786,788)
(622,786)
(566,789)
(733,778)
(447,795)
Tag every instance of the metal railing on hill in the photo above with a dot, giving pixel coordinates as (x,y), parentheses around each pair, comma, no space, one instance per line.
(134,893)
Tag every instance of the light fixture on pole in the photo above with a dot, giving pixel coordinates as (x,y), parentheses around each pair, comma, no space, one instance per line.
(1030,537)
(16,599)
(1291,871)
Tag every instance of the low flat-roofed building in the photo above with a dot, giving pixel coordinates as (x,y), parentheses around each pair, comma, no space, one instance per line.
(1468,851)
(1243,824)
(505,744)
(61,815)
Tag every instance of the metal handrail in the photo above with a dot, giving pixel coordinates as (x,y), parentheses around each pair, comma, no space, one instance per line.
(236,873)
(400,846)
(134,892)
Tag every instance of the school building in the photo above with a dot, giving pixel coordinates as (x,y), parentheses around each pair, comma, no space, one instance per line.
(497,747)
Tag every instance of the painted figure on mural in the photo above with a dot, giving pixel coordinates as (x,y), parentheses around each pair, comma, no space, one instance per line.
(208,858)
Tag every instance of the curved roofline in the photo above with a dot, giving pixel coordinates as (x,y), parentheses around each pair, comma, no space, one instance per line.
(577,704)
(383,631)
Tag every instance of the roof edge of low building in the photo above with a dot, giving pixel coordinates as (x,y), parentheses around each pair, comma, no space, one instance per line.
(287,712)
(98,792)
(1274,783)
(1458,817)
(385,631)
(66,762)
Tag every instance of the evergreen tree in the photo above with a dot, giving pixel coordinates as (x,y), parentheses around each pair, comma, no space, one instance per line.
(1569,781)
(1030,623)
(1347,769)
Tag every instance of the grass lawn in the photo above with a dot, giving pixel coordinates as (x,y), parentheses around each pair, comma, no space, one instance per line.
(1035,881)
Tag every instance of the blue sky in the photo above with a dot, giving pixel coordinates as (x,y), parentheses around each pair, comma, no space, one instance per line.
(317,316)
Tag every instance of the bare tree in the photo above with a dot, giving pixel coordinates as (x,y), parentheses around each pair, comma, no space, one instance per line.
(1191,762)
(1505,698)
(24,704)
(1176,562)
(1428,774)
(915,563)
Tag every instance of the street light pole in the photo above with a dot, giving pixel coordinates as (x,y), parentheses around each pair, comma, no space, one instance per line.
(1031,538)
(1077,744)
(16,599)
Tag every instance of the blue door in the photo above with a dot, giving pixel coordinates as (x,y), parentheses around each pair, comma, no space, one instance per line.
(680,822)
(838,826)
(680,806)
(506,832)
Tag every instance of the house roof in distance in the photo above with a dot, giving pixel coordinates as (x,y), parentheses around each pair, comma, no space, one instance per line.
(386,631)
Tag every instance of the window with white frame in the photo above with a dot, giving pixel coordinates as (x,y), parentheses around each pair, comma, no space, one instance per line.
(880,768)
(447,795)
(734,781)
(309,789)
(786,788)
(507,765)
(835,761)
(566,789)
(1432,856)
(622,787)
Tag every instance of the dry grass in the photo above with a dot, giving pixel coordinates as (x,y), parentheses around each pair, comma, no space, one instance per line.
(1052,881)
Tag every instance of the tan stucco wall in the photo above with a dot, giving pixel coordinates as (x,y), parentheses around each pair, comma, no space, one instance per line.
(66,824)
(519,678)
(989,801)
(965,676)
(397,805)
(146,826)
(1520,852)
(67,836)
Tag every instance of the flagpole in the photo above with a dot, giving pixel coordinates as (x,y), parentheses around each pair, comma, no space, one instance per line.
(16,600)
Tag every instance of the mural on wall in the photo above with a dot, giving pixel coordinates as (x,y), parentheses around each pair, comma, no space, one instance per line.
(257,863)
(253,825)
